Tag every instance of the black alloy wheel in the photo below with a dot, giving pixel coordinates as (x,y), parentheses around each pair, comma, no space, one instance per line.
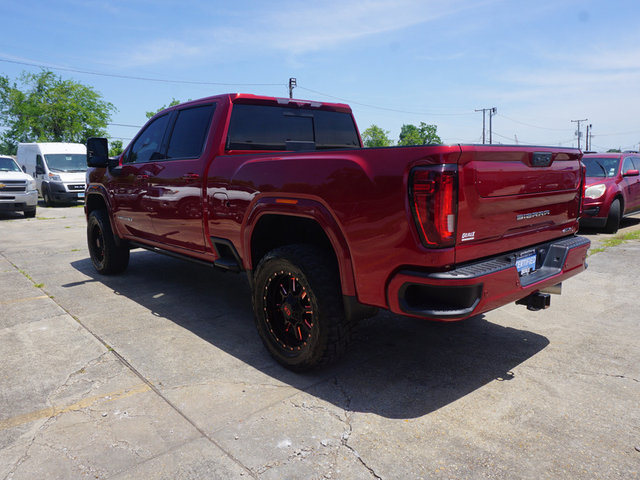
(298,307)
(288,311)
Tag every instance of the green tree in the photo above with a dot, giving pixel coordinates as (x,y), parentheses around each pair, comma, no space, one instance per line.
(115,148)
(46,108)
(614,150)
(374,136)
(172,103)
(422,135)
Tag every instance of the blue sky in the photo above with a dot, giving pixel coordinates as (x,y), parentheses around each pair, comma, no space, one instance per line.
(540,63)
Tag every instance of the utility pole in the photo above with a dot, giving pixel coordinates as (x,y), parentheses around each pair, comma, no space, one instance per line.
(587,143)
(292,83)
(483,127)
(578,132)
(492,111)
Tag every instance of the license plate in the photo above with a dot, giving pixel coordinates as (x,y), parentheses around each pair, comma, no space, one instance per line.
(526,265)
(81,195)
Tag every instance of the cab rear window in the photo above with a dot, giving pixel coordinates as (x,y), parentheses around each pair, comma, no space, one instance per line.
(264,127)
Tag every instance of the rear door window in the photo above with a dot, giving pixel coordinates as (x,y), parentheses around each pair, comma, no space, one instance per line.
(190,132)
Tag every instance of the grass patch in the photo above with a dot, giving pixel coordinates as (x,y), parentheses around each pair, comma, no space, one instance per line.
(26,275)
(45,218)
(37,285)
(615,241)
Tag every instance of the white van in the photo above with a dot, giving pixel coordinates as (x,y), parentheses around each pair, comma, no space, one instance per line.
(59,169)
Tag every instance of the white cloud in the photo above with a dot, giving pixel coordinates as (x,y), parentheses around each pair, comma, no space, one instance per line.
(295,28)
(160,51)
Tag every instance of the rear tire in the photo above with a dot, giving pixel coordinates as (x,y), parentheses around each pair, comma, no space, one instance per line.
(107,257)
(298,307)
(613,220)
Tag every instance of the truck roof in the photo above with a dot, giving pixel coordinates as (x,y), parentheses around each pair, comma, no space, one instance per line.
(261,99)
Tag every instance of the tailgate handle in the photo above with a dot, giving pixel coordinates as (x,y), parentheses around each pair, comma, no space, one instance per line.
(541,159)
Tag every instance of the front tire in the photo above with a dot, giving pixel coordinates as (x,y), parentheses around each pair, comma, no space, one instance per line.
(298,307)
(30,213)
(46,196)
(107,257)
(613,220)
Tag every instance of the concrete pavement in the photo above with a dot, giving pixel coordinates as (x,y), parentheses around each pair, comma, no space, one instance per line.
(159,373)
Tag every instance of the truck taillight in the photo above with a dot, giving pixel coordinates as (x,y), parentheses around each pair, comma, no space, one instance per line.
(433,198)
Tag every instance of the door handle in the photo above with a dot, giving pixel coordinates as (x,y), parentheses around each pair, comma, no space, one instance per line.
(191,176)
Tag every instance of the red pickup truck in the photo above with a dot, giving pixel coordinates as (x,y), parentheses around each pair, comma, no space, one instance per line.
(327,231)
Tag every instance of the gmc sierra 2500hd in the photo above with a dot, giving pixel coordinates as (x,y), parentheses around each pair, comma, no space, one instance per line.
(328,231)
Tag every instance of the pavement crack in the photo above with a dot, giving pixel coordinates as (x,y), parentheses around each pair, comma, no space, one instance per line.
(622,376)
(76,373)
(155,389)
(346,435)
(23,458)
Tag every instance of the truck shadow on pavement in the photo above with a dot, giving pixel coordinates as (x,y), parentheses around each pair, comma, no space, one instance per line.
(396,367)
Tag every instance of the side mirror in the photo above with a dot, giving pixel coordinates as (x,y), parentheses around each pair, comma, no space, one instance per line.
(97,152)
(631,173)
(39,170)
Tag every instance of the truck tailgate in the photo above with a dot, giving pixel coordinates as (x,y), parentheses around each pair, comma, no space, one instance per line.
(512,197)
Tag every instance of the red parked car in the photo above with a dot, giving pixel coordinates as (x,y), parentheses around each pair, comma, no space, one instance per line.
(612,189)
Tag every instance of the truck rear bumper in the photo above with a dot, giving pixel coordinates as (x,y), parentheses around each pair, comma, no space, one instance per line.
(478,287)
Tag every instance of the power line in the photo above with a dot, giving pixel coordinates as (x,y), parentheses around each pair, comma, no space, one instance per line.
(533,126)
(146,79)
(351,102)
(520,140)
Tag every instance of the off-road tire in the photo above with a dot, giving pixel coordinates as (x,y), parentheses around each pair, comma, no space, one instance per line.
(613,219)
(298,307)
(108,258)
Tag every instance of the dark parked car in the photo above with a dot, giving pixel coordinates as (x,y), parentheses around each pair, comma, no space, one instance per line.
(612,189)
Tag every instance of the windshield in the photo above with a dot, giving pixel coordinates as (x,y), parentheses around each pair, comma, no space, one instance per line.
(8,165)
(601,167)
(67,162)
